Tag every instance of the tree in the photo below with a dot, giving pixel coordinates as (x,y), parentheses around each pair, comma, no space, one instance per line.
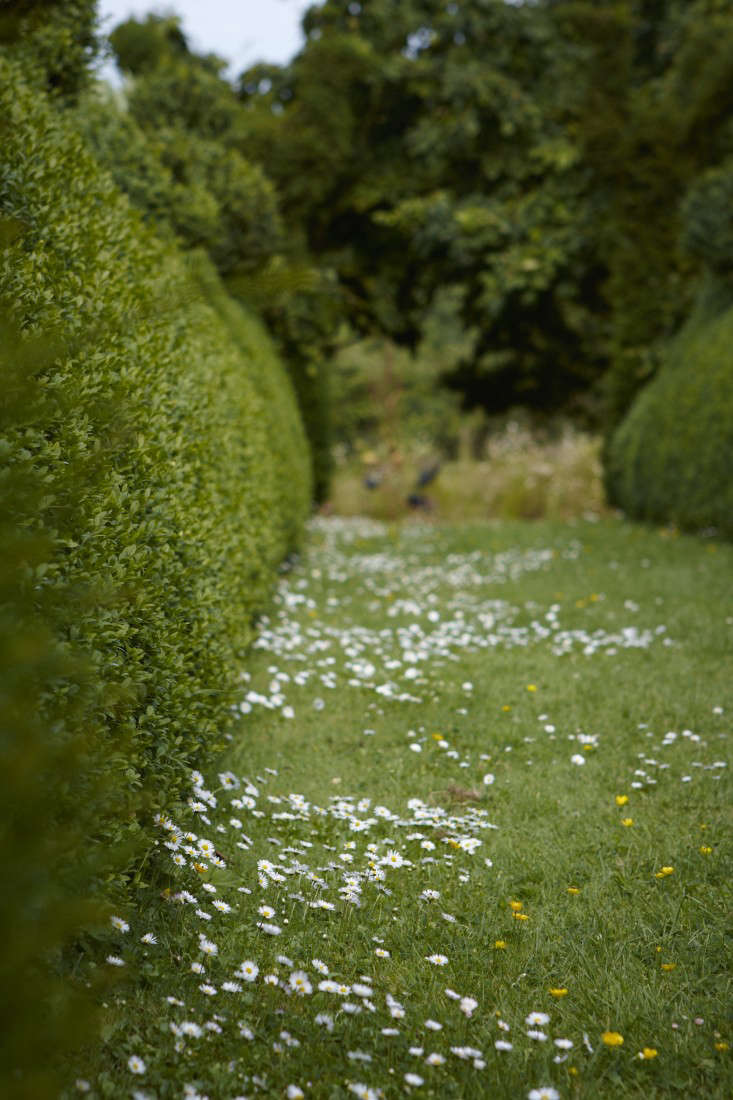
(531,156)
(445,164)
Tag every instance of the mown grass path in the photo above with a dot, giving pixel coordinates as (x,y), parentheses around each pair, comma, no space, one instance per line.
(471,841)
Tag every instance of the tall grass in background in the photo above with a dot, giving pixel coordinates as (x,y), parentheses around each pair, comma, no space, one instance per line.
(519,474)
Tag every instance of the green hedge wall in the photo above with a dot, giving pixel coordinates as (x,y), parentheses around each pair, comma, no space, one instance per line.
(154,473)
(670,460)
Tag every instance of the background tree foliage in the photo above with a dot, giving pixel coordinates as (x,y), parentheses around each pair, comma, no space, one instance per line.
(532,156)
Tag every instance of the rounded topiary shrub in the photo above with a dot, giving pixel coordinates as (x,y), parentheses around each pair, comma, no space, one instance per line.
(670,460)
(154,474)
(201,466)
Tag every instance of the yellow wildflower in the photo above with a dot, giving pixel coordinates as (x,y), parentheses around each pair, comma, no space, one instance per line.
(648,1053)
(621,799)
(562,992)
(516,905)
(531,687)
(612,1038)
(500,944)
(721,1046)
(520,916)
(627,821)
(705,850)
(668,966)
(573,890)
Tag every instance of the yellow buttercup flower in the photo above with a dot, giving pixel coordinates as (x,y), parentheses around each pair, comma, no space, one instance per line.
(516,905)
(627,821)
(668,966)
(531,687)
(705,850)
(621,799)
(562,992)
(573,890)
(721,1046)
(500,944)
(648,1053)
(520,916)
(612,1038)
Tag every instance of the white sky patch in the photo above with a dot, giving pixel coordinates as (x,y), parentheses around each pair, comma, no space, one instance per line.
(242,31)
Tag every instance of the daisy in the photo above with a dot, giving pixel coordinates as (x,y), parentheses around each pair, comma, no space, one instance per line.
(299,983)
(248,970)
(135,1064)
(270,929)
(437,960)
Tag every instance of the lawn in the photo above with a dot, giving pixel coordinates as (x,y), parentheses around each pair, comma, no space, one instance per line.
(470,839)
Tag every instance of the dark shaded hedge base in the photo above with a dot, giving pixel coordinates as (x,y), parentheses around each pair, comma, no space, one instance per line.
(671,459)
(154,472)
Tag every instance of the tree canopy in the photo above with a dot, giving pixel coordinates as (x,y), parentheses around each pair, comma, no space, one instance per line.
(533,156)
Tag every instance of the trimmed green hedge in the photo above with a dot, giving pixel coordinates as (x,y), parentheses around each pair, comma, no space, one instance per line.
(670,460)
(155,472)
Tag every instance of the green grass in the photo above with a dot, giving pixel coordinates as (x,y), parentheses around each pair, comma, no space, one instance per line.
(640,952)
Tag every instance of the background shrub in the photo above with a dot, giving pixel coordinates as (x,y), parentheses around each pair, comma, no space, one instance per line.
(670,459)
(708,220)
(155,471)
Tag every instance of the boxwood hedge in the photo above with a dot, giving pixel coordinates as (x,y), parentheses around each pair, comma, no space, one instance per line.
(670,460)
(154,473)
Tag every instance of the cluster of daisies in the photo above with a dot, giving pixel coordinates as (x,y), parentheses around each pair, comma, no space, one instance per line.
(342,866)
(435,614)
(305,943)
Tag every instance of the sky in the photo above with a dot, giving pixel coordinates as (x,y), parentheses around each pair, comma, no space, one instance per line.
(242,31)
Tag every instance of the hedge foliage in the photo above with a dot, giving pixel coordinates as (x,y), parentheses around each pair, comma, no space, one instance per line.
(670,460)
(155,472)
(176,153)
